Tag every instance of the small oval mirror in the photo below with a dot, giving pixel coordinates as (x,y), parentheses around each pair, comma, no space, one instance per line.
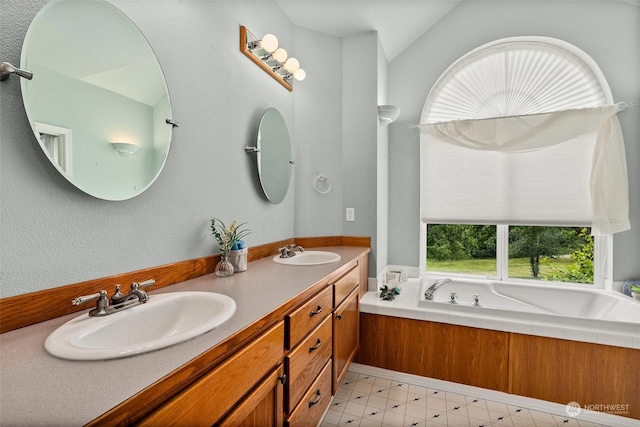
(274,155)
(98,101)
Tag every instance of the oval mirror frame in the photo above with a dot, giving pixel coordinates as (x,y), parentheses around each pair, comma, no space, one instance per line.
(98,102)
(274,156)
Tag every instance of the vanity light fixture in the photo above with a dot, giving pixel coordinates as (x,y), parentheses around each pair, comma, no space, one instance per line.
(124,148)
(273,59)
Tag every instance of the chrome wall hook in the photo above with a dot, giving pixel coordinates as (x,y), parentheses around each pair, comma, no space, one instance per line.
(7,69)
(173,123)
(250,150)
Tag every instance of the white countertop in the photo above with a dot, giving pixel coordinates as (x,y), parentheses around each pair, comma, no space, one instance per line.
(39,389)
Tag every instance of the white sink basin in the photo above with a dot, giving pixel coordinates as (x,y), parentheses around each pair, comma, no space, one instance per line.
(165,320)
(309,258)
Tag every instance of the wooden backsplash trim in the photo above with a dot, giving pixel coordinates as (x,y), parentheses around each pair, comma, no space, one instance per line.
(35,307)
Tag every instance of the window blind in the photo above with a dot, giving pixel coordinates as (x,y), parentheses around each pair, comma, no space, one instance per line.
(523,131)
(548,186)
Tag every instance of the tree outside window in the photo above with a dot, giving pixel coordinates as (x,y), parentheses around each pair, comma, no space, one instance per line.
(559,254)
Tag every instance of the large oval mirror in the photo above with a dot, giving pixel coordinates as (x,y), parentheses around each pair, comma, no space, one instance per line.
(274,155)
(98,102)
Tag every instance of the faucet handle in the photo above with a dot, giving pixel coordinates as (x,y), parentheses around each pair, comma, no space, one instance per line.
(86,298)
(117,293)
(138,285)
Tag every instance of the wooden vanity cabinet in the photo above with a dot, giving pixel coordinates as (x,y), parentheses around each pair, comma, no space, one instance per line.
(287,375)
(250,373)
(322,345)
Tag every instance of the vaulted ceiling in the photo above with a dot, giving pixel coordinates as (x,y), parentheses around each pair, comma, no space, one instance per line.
(398,22)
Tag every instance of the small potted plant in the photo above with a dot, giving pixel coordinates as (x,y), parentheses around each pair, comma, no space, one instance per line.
(228,238)
(635,291)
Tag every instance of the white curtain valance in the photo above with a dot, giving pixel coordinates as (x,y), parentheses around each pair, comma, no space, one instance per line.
(608,185)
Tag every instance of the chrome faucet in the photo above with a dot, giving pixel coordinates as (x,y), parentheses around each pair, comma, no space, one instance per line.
(118,301)
(289,251)
(431,291)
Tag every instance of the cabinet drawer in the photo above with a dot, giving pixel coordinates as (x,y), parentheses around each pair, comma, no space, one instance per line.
(305,362)
(213,395)
(305,318)
(314,403)
(345,284)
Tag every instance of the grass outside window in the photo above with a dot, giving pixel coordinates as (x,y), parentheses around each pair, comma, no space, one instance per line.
(559,254)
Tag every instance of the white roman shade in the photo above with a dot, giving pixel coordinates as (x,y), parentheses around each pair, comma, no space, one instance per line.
(523,131)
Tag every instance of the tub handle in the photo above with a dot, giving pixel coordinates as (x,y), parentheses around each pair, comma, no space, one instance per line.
(453,298)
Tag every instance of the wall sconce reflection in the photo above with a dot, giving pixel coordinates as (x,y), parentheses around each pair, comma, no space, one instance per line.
(270,57)
(124,148)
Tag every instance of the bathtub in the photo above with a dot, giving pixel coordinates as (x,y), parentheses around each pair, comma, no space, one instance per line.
(588,315)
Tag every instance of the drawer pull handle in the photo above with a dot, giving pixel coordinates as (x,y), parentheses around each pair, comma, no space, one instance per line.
(318,398)
(339,316)
(318,311)
(315,347)
(283,379)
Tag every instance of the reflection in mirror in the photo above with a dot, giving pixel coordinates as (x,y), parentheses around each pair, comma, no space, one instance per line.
(96,82)
(274,155)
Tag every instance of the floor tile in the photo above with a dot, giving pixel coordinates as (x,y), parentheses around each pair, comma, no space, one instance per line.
(369,401)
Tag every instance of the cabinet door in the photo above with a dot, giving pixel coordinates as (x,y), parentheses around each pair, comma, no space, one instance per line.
(262,407)
(213,395)
(346,336)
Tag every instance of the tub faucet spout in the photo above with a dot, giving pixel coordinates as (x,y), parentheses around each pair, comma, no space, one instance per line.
(431,290)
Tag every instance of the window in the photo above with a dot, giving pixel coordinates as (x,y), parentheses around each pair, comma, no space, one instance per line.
(520,143)
(544,253)
(462,248)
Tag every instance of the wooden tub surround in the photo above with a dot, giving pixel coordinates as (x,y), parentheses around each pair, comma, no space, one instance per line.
(275,370)
(549,369)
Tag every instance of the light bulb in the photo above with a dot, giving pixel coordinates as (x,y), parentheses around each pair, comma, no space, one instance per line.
(280,55)
(299,74)
(292,65)
(269,43)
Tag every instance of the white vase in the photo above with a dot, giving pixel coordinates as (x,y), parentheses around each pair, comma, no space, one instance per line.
(238,258)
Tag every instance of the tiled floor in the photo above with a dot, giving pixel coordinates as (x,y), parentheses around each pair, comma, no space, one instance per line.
(364,400)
